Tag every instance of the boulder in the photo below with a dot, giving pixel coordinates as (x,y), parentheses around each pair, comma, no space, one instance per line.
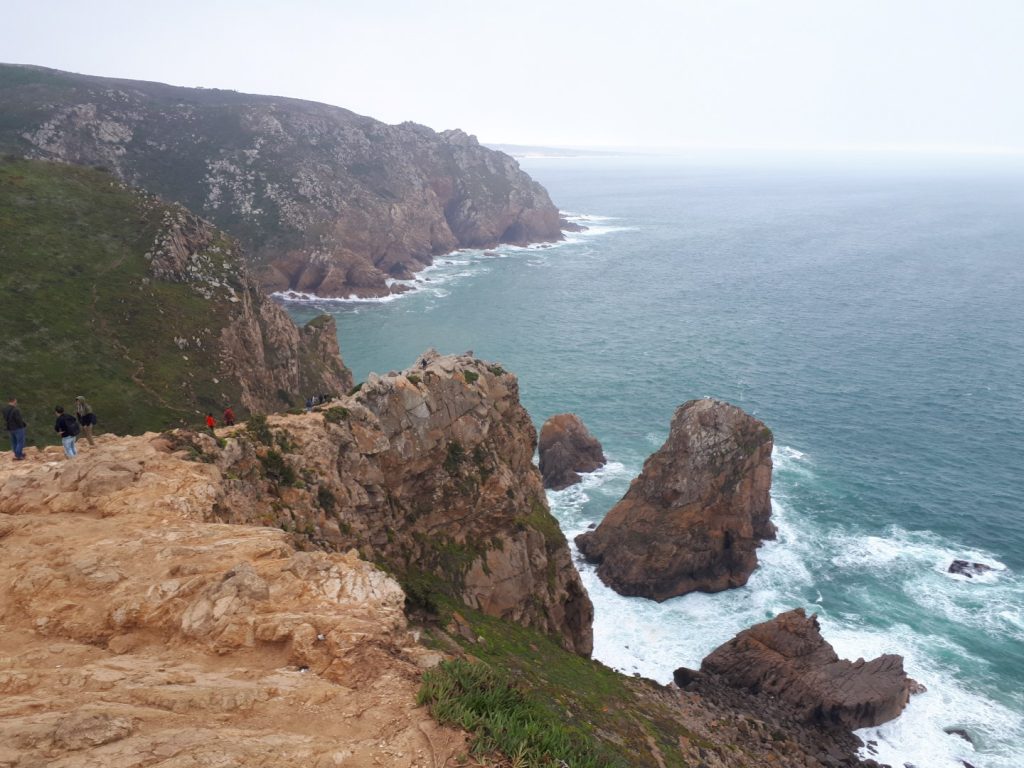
(968,569)
(566,449)
(787,659)
(693,519)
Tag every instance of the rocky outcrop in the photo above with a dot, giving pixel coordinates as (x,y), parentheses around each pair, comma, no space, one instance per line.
(161,320)
(324,200)
(566,449)
(134,633)
(693,519)
(968,569)
(428,472)
(787,659)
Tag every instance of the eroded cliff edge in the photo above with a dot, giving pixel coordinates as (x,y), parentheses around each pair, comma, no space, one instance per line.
(325,201)
(428,472)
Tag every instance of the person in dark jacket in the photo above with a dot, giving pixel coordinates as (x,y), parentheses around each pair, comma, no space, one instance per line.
(16,426)
(86,417)
(67,426)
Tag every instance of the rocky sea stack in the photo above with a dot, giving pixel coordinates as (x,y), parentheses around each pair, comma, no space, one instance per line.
(566,449)
(693,519)
(324,200)
(787,659)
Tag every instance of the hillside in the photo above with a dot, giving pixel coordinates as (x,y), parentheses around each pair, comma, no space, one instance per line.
(324,200)
(141,307)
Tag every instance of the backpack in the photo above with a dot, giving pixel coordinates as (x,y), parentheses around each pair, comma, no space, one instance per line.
(71,427)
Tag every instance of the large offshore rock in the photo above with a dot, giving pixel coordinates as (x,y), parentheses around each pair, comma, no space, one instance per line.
(566,449)
(788,659)
(693,519)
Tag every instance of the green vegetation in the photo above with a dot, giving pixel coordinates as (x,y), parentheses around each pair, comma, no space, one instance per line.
(336,414)
(82,314)
(456,455)
(502,718)
(277,468)
(259,430)
(355,390)
(470,376)
(414,379)
(497,370)
(527,697)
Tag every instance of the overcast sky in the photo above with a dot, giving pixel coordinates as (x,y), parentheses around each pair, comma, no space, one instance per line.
(776,74)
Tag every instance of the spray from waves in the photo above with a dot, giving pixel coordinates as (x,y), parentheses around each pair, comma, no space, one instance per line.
(837,573)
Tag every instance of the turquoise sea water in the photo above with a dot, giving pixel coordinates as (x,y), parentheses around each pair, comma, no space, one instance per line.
(874,318)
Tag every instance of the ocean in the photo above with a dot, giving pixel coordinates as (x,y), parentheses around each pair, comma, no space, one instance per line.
(872,314)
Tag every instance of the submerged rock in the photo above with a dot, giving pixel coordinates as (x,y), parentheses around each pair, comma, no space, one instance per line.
(693,519)
(566,449)
(788,659)
(968,569)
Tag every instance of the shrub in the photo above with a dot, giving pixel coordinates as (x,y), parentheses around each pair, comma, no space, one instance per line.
(456,455)
(470,376)
(258,428)
(276,468)
(336,415)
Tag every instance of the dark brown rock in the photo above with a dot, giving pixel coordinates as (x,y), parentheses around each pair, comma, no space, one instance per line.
(566,449)
(693,519)
(788,659)
(968,569)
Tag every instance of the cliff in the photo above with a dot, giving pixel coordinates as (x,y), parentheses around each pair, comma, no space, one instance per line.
(428,472)
(142,307)
(695,516)
(137,629)
(324,200)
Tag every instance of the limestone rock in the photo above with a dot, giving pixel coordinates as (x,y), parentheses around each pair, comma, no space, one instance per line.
(693,519)
(566,449)
(787,658)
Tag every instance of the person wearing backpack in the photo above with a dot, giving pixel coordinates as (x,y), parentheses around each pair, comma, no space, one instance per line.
(67,426)
(86,417)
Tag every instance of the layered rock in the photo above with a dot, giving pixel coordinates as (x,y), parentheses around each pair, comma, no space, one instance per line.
(787,659)
(566,449)
(428,472)
(325,201)
(134,632)
(693,519)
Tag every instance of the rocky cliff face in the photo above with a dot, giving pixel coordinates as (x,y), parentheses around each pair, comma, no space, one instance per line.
(143,307)
(135,633)
(428,472)
(788,659)
(566,449)
(695,516)
(324,200)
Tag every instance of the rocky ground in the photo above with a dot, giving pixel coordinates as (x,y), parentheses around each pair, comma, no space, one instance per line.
(135,632)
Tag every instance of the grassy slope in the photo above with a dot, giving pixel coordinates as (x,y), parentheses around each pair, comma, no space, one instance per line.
(79,315)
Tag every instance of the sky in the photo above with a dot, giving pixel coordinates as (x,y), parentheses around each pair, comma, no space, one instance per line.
(814,75)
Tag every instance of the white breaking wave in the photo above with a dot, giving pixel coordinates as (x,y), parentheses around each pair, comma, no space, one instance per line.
(639,636)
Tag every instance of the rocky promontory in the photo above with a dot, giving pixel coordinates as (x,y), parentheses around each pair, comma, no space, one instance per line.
(787,659)
(693,519)
(325,201)
(566,449)
(428,472)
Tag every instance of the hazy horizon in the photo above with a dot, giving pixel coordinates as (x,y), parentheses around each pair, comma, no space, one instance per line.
(793,76)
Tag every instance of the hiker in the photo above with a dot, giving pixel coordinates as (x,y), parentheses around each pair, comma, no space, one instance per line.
(67,426)
(210,423)
(85,416)
(16,426)
(229,417)
(309,404)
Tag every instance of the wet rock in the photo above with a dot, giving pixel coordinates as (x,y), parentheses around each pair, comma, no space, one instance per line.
(788,659)
(961,733)
(693,519)
(566,449)
(968,569)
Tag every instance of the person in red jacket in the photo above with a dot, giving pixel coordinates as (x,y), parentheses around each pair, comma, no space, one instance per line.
(210,422)
(229,417)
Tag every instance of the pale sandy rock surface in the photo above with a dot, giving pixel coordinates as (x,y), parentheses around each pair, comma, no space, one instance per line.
(134,632)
